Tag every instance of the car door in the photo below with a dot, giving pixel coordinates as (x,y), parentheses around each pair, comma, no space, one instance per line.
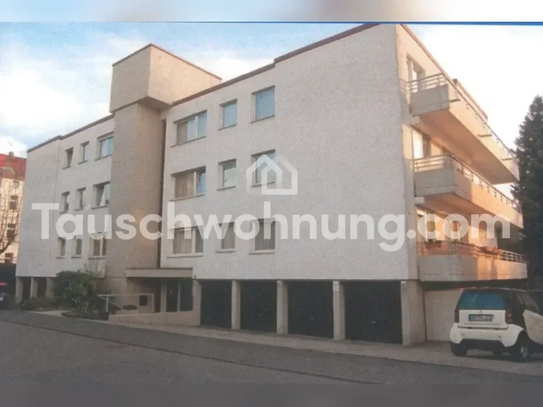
(533,319)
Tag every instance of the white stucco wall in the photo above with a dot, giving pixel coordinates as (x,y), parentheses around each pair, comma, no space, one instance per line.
(338,122)
(46,180)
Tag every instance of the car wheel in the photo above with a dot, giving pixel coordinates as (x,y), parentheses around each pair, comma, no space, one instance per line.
(521,350)
(458,349)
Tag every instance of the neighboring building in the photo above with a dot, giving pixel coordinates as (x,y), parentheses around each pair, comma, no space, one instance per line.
(12,178)
(372,124)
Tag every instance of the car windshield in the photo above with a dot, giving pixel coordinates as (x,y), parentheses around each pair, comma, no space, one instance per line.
(481,300)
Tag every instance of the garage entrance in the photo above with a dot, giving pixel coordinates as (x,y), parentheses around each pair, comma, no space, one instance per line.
(216,303)
(259,305)
(310,308)
(373,311)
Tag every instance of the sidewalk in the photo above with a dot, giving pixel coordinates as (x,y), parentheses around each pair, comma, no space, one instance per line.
(431,353)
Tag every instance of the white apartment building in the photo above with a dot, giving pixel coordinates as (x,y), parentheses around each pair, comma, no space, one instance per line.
(372,124)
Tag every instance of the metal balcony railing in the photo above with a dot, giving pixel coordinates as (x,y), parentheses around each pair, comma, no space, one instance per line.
(454,248)
(434,81)
(448,161)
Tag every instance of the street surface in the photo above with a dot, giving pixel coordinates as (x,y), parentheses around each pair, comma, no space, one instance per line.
(52,350)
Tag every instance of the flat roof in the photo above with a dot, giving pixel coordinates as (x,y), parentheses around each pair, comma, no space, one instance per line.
(169,53)
(260,70)
(61,137)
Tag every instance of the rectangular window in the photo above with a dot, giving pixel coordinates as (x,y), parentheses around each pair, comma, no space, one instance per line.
(230,114)
(81,198)
(188,242)
(102,194)
(264,103)
(8,258)
(263,173)
(69,157)
(65,202)
(10,233)
(105,147)
(228,242)
(415,74)
(191,129)
(265,239)
(190,183)
(99,247)
(61,247)
(84,155)
(228,170)
(14,202)
(78,246)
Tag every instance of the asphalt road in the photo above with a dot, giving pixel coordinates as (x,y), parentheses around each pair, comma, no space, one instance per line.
(38,349)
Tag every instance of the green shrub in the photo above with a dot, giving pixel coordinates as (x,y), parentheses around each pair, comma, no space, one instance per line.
(33,304)
(75,289)
(130,307)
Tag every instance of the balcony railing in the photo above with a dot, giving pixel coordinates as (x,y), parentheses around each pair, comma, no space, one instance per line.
(454,248)
(437,80)
(448,161)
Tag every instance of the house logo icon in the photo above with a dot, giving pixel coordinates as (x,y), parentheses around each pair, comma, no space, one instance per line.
(267,174)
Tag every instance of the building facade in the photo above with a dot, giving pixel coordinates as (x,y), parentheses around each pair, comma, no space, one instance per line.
(12,178)
(371,125)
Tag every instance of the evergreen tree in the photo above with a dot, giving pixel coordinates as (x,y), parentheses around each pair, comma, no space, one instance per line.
(529,191)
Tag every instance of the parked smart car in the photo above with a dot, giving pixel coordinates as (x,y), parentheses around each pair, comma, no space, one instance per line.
(498,320)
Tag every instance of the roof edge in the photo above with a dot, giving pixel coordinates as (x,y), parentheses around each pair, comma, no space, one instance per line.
(61,137)
(281,58)
(169,53)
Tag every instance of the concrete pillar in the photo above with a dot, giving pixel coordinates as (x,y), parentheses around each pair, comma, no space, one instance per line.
(19,283)
(163,295)
(49,286)
(236,304)
(33,287)
(282,308)
(143,84)
(339,310)
(197,300)
(413,317)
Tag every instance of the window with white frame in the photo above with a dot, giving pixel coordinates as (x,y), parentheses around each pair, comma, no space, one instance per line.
(264,102)
(84,152)
(78,246)
(69,155)
(81,198)
(228,174)
(192,128)
(65,202)
(190,183)
(99,247)
(105,146)
(102,194)
(230,113)
(8,258)
(61,247)
(11,231)
(228,241)
(265,238)
(263,167)
(13,202)
(415,74)
(187,241)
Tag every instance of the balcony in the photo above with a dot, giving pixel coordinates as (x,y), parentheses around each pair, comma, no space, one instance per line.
(450,186)
(456,261)
(443,107)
